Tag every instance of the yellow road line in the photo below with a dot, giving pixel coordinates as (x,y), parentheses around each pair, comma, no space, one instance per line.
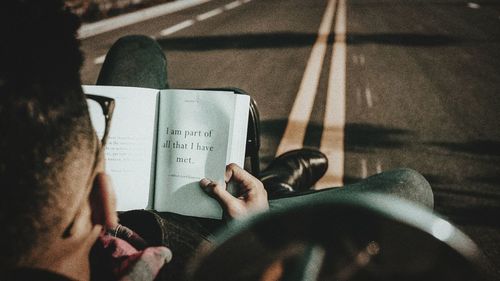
(332,139)
(300,114)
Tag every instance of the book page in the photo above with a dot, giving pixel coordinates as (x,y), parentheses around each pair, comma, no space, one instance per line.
(239,125)
(193,135)
(130,146)
(238,136)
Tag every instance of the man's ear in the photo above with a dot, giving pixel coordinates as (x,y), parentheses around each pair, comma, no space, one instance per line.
(103,202)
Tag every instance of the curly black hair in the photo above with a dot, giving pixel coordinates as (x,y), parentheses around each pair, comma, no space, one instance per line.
(43,116)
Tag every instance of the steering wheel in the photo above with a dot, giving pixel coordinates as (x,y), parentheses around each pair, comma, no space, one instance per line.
(355,237)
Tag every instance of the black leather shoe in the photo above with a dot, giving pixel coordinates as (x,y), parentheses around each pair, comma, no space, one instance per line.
(295,170)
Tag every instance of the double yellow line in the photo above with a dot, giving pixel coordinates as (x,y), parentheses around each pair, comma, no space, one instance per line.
(332,140)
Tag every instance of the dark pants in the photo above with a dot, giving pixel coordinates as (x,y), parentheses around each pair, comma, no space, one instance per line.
(139,61)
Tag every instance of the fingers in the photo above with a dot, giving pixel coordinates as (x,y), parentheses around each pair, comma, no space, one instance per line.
(239,175)
(251,186)
(217,190)
(155,258)
(166,253)
(252,197)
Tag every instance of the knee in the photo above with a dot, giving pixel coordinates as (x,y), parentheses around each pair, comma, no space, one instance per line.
(134,43)
(418,187)
(134,39)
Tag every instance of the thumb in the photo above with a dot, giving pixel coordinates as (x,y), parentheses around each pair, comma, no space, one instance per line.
(218,191)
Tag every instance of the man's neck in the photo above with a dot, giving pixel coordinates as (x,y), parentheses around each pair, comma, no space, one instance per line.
(67,257)
(75,266)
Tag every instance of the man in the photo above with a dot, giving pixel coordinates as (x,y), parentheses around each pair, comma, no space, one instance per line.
(55,200)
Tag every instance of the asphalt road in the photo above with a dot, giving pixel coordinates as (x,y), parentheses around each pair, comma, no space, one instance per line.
(422,87)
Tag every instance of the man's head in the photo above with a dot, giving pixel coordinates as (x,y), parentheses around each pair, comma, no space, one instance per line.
(47,144)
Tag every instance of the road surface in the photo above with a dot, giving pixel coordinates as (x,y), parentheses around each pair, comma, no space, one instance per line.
(375,84)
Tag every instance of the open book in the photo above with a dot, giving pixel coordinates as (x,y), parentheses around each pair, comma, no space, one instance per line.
(162,142)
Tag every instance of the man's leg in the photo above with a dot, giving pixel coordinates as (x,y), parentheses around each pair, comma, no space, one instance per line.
(136,61)
(404,183)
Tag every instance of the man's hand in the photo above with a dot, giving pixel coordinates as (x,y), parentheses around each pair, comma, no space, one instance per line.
(252,197)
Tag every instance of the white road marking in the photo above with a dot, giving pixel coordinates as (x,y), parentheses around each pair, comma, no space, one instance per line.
(364,169)
(232,5)
(177,27)
(100,60)
(209,14)
(369,100)
(473,5)
(362,59)
(107,25)
(355,59)
(293,138)
(379,167)
(92,29)
(332,139)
